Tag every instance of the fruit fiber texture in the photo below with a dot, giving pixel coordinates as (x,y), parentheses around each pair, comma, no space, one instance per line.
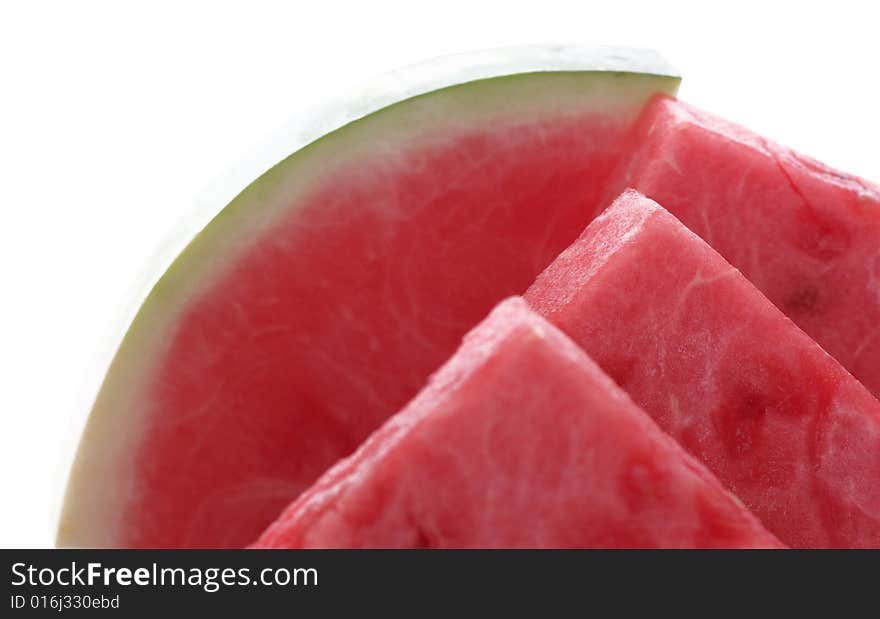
(723,371)
(804,234)
(519,440)
(318,302)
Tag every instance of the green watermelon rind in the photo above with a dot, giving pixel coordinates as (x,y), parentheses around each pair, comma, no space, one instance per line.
(101,479)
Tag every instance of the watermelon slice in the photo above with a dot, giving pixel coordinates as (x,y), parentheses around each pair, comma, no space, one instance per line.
(316,304)
(806,235)
(519,440)
(778,420)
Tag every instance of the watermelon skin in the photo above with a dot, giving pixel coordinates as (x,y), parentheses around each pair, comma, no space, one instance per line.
(316,304)
(723,371)
(806,235)
(518,441)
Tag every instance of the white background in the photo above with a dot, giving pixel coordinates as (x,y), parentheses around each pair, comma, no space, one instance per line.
(114,120)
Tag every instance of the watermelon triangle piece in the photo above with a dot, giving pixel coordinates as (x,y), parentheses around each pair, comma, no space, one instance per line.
(519,440)
(806,235)
(723,371)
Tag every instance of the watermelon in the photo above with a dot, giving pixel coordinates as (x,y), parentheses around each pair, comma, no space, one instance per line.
(316,303)
(518,441)
(783,425)
(806,235)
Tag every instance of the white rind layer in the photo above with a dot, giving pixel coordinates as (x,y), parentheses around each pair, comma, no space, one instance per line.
(424,77)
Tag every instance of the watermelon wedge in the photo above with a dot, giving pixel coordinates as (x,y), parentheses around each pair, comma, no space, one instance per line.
(806,235)
(316,303)
(519,440)
(723,371)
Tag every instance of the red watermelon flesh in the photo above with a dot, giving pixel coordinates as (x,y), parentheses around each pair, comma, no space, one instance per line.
(519,440)
(317,303)
(806,235)
(723,371)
